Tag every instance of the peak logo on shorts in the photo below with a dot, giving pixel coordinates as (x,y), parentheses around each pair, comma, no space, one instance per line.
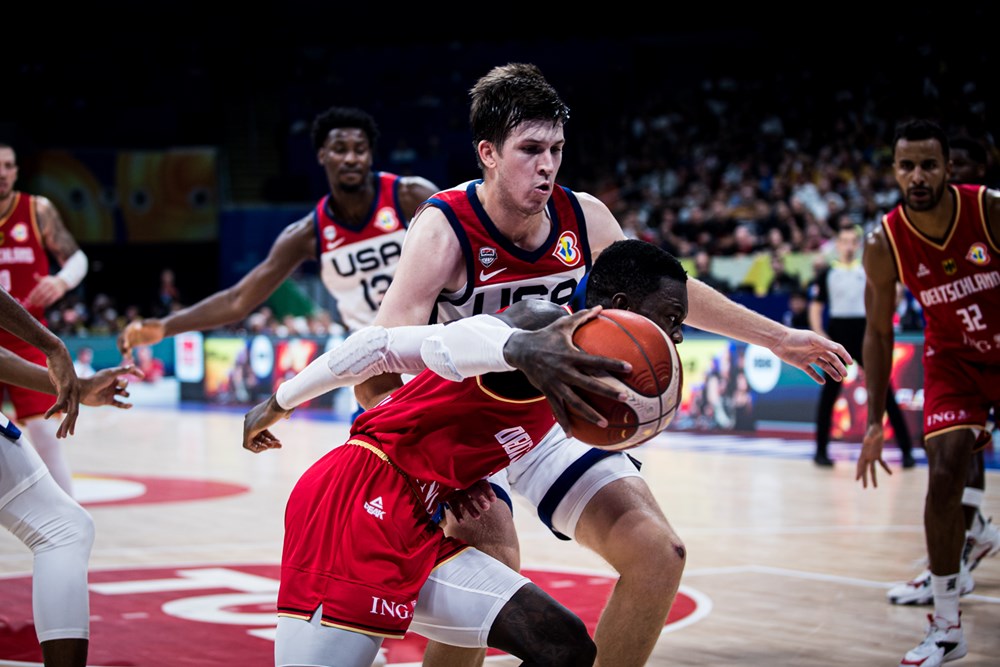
(567,249)
(374,507)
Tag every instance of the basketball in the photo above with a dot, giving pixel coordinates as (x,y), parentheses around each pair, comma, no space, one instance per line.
(653,387)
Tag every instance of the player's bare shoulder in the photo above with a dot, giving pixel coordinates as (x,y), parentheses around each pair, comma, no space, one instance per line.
(877,257)
(992,204)
(297,241)
(602,226)
(413,191)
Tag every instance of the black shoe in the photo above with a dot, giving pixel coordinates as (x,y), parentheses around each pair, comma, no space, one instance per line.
(908,460)
(823,460)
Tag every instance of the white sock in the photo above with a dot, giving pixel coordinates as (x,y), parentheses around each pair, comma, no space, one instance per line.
(946,594)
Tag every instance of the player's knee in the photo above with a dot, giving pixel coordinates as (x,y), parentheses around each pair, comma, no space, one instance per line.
(72,532)
(536,628)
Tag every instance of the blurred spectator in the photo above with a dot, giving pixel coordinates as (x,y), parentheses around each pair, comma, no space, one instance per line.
(83,362)
(152,367)
(168,298)
(782,282)
(703,272)
(797,315)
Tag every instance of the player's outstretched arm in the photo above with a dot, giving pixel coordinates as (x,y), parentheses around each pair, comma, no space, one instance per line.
(711,310)
(294,245)
(879,340)
(108,385)
(15,319)
(58,241)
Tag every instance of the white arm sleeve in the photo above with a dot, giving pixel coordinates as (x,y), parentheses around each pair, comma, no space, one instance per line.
(468,347)
(74,270)
(364,354)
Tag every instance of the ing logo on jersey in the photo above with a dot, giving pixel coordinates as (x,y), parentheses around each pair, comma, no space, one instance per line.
(487,255)
(567,250)
(950,266)
(978,254)
(20,232)
(386,220)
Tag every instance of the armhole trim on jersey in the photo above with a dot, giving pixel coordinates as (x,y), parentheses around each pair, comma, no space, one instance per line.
(581,226)
(466,245)
(984,218)
(892,245)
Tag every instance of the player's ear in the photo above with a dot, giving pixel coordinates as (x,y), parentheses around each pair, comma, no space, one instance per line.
(487,154)
(621,301)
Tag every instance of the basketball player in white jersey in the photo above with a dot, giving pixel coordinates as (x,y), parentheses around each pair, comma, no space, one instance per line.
(516,234)
(355,232)
(33,507)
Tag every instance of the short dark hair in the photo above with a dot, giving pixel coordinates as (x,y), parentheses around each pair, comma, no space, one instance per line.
(508,95)
(337,117)
(975,149)
(919,129)
(633,267)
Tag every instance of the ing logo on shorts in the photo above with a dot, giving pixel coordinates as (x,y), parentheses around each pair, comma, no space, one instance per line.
(567,250)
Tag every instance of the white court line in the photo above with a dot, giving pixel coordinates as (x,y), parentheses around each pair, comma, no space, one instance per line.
(813,576)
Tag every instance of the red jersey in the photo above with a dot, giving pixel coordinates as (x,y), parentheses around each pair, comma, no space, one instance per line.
(498,273)
(22,254)
(447,435)
(358,263)
(956,280)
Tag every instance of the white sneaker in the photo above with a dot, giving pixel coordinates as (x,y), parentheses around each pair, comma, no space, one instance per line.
(944,642)
(982,541)
(918,590)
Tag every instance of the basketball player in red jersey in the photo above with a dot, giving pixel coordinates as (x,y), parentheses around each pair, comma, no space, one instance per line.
(943,243)
(31,229)
(355,232)
(363,558)
(516,234)
(36,510)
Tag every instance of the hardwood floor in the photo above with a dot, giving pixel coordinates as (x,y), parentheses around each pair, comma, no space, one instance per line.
(788,563)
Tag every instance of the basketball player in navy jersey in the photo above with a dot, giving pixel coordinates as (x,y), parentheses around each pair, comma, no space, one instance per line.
(355,232)
(517,234)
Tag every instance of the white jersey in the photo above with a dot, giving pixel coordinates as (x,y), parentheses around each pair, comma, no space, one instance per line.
(357,264)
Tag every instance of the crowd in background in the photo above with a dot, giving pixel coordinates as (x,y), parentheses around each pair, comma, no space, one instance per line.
(768,161)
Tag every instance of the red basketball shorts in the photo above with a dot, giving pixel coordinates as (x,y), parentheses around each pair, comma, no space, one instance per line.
(27,403)
(358,542)
(957,393)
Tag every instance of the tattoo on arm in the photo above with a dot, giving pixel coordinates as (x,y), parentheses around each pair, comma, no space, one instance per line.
(55,236)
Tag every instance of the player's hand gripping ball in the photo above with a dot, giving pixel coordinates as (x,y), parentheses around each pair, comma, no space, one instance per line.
(653,388)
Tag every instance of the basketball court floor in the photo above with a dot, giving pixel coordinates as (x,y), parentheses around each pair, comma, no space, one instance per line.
(788,563)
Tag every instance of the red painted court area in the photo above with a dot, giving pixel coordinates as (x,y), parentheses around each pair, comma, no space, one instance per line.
(223,615)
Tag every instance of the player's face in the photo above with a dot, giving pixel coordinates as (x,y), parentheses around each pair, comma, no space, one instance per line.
(963,169)
(529,162)
(667,307)
(8,172)
(347,158)
(921,173)
(847,244)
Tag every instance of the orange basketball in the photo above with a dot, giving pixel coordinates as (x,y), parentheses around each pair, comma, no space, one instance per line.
(653,388)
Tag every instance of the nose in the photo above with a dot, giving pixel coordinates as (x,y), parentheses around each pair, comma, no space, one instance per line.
(677,335)
(546,163)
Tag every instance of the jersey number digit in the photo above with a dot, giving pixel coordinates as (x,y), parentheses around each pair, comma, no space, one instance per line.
(375,288)
(972,318)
